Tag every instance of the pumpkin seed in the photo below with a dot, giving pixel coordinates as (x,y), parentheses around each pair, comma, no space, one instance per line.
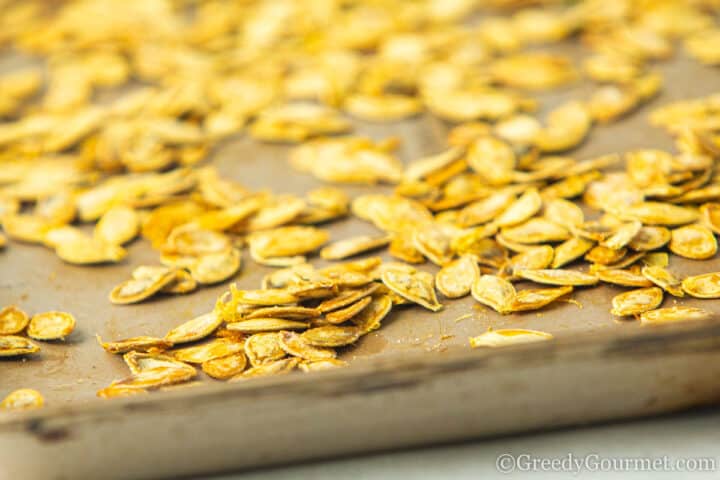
(508,336)
(637,301)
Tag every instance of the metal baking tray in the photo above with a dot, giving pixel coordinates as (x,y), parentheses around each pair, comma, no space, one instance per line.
(413,382)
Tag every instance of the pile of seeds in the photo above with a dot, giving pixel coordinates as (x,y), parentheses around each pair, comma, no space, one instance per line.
(112,130)
(46,326)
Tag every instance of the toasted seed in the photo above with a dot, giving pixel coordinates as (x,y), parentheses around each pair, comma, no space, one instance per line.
(287,241)
(370,317)
(568,125)
(558,277)
(485,251)
(657,213)
(138,289)
(487,209)
(571,250)
(216,267)
(12,320)
(257,325)
(658,259)
(622,236)
(195,329)
(495,292)
(456,279)
(191,240)
(604,255)
(521,210)
(12,346)
(118,225)
(262,348)
(504,337)
(536,230)
(269,297)
(139,362)
(183,283)
(331,336)
(51,326)
(139,344)
(403,248)
(492,159)
(624,278)
(637,301)
(353,246)
(120,391)
(534,299)
(673,315)
(710,213)
(413,285)
(225,367)
(347,297)
(434,242)
(88,251)
(663,279)
(693,241)
(277,367)
(292,313)
(534,258)
(344,314)
(23,399)
(650,238)
(294,344)
(626,261)
(319,365)
(216,348)
(706,285)
(150,378)
(564,212)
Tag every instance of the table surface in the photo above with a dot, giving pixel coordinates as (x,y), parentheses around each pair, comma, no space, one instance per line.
(687,435)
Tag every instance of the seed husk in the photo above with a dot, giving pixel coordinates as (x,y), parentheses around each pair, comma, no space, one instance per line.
(195,329)
(294,344)
(693,241)
(664,279)
(637,301)
(625,278)
(413,285)
(51,325)
(216,348)
(262,348)
(331,336)
(13,320)
(495,292)
(216,267)
(455,279)
(558,277)
(257,325)
(226,367)
(13,346)
(706,285)
(535,299)
(139,344)
(650,238)
(353,246)
(138,289)
(674,315)
(23,399)
(339,316)
(508,336)
(570,250)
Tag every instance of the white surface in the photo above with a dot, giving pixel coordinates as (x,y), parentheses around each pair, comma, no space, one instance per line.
(695,434)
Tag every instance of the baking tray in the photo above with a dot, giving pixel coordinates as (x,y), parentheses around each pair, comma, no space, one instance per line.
(413,382)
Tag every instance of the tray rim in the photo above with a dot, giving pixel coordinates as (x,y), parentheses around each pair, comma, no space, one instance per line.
(654,341)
